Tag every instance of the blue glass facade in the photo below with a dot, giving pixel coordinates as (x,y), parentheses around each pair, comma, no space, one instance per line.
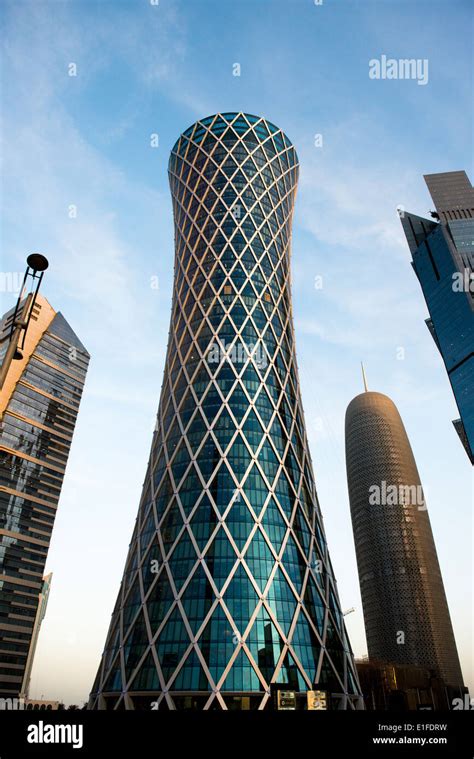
(443,259)
(228,586)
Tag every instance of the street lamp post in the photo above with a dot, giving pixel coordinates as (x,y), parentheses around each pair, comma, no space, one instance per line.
(36,266)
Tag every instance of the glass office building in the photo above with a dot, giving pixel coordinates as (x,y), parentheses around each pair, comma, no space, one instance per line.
(228,591)
(39,403)
(443,259)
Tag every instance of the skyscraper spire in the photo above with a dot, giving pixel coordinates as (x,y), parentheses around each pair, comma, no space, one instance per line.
(364,378)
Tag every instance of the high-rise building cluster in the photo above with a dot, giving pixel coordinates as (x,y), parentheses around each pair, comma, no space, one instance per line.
(228,598)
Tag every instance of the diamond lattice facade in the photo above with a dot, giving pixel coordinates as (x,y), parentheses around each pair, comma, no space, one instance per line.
(228,586)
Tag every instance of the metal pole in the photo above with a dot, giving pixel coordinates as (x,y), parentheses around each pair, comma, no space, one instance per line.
(18,326)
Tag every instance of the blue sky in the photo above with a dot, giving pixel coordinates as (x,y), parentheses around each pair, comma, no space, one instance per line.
(84,141)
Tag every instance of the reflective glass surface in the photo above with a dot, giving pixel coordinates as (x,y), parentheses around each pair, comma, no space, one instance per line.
(229,514)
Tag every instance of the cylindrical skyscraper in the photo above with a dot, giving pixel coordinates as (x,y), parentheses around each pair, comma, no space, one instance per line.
(405,609)
(228,586)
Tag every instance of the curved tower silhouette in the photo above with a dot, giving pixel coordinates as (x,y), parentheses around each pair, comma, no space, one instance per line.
(405,609)
(228,586)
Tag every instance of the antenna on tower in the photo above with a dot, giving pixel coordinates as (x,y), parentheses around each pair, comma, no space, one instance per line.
(364,378)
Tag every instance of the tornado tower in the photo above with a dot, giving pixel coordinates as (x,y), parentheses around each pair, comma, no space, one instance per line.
(405,609)
(228,590)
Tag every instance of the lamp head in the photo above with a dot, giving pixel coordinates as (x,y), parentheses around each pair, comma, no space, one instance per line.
(37,262)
